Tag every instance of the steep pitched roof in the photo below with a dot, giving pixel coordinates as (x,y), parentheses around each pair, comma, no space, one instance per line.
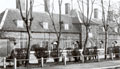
(75,19)
(1,15)
(113,28)
(14,14)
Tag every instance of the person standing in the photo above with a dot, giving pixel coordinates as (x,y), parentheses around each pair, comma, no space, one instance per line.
(101,44)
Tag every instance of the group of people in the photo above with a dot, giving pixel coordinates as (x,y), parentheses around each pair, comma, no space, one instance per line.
(114,43)
(75,44)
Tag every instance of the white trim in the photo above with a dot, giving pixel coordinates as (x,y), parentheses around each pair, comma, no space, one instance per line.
(66,26)
(45,25)
(20,24)
(3,19)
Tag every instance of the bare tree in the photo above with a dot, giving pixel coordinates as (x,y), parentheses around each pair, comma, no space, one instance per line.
(59,31)
(105,22)
(28,18)
(60,24)
(88,5)
(116,19)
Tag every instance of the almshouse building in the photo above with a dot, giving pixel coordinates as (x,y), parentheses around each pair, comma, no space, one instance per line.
(43,32)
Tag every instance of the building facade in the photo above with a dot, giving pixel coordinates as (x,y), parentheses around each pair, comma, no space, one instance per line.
(42,30)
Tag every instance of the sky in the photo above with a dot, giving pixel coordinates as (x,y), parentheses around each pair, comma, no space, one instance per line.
(39,5)
(7,4)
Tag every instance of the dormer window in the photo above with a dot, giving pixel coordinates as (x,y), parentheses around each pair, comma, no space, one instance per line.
(90,34)
(66,26)
(20,24)
(45,25)
(116,29)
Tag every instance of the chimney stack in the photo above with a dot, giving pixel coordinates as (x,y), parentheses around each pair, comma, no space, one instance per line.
(67,8)
(47,5)
(95,13)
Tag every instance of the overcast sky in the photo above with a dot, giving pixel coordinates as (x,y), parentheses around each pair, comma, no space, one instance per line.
(38,4)
(7,4)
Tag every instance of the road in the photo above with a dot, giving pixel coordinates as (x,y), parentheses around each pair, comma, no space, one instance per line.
(113,64)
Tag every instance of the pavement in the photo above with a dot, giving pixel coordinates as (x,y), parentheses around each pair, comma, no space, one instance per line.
(109,64)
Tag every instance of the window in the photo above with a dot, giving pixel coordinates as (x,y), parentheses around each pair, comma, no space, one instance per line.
(20,23)
(45,25)
(95,13)
(45,44)
(66,26)
(116,29)
(103,29)
(110,15)
(90,34)
(68,44)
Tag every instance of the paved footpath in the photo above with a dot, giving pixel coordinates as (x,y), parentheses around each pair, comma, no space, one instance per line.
(113,64)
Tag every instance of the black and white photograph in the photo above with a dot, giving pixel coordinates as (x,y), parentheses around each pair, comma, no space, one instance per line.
(59,34)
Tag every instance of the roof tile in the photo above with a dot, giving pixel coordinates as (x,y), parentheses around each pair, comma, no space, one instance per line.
(37,19)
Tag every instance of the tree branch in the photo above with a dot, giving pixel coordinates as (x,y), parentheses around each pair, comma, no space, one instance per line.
(51,18)
(91,10)
(21,10)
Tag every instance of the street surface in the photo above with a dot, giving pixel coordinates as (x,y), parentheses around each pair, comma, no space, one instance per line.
(111,64)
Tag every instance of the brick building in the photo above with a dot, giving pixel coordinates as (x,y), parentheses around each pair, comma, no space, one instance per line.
(42,29)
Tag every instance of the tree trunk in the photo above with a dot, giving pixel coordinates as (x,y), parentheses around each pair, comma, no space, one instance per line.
(28,25)
(60,24)
(58,43)
(86,40)
(80,37)
(28,45)
(58,48)
(106,43)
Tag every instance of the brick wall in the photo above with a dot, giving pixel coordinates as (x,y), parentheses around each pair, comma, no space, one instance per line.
(39,38)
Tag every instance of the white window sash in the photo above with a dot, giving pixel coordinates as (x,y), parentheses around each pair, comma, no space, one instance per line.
(45,25)
(66,26)
(20,24)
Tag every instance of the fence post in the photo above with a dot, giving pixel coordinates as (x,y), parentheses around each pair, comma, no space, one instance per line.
(49,53)
(111,56)
(98,58)
(4,62)
(15,63)
(82,56)
(64,60)
(42,61)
